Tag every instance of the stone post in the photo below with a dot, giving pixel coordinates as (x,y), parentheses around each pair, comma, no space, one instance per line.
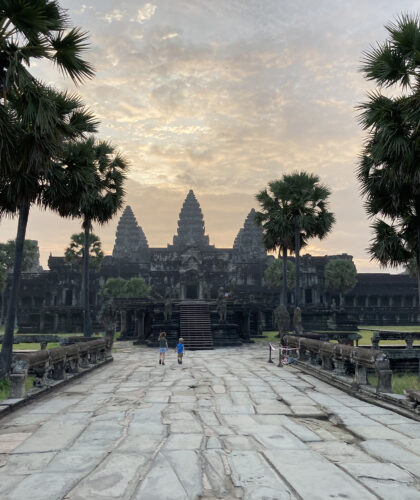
(384,381)
(17,388)
(59,372)
(326,362)
(360,375)
(339,367)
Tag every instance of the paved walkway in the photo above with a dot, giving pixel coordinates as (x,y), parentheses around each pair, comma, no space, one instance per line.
(225,424)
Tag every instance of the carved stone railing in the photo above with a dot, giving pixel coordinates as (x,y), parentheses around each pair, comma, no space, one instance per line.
(336,357)
(407,337)
(58,363)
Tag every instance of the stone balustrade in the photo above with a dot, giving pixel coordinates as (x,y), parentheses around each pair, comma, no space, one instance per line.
(336,358)
(407,337)
(58,363)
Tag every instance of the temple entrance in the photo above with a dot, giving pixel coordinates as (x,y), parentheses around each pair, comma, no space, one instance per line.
(191,291)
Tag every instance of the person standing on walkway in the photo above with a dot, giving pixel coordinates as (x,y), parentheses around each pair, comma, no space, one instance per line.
(163,347)
(180,350)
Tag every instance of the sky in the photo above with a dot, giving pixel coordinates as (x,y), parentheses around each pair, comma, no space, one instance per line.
(223,96)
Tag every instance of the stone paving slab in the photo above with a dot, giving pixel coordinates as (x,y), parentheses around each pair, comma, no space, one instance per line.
(224,425)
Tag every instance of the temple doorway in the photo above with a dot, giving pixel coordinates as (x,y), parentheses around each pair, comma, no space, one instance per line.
(191,291)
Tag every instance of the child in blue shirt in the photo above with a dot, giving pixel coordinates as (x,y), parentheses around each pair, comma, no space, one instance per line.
(180,350)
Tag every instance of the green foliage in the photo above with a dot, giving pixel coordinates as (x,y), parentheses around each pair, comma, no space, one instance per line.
(74,252)
(400,382)
(7,258)
(389,167)
(340,275)
(273,275)
(4,388)
(125,289)
(92,174)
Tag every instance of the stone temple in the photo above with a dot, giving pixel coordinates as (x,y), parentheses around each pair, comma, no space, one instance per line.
(213,296)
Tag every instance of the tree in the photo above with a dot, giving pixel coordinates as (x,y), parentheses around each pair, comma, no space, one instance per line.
(74,252)
(34,119)
(38,29)
(277,224)
(340,276)
(46,119)
(296,212)
(308,209)
(33,30)
(7,258)
(389,165)
(273,275)
(120,288)
(99,199)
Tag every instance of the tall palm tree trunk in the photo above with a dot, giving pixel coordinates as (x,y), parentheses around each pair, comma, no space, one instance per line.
(87,323)
(7,346)
(284,276)
(297,264)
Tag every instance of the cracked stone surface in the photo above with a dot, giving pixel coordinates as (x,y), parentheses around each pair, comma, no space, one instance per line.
(225,424)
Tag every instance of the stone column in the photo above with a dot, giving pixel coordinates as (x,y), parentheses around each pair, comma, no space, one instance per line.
(56,322)
(123,323)
(42,321)
(140,335)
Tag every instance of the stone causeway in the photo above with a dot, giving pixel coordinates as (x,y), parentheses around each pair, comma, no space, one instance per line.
(224,425)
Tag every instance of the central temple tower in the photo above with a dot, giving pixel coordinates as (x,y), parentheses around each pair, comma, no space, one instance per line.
(190,225)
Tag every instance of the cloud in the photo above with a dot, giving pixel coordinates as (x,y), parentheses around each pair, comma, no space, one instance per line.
(225,96)
(146,13)
(115,15)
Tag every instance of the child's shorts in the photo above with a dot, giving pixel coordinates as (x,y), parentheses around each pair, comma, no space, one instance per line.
(163,349)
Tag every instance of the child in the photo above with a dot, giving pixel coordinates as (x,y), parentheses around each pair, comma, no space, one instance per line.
(180,350)
(163,346)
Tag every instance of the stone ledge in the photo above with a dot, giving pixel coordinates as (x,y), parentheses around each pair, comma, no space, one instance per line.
(8,406)
(394,402)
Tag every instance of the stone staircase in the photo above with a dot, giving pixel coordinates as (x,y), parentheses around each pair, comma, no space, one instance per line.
(195,325)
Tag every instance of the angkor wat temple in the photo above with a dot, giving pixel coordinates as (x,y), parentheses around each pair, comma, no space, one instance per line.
(216,295)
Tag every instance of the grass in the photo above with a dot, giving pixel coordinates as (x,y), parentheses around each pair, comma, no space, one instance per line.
(400,382)
(4,389)
(267,337)
(366,331)
(5,386)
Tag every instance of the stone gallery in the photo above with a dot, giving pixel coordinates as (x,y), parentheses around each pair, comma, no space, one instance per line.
(211,296)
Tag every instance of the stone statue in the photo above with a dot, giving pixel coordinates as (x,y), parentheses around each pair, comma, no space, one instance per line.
(297,321)
(282,320)
(177,291)
(108,316)
(167,311)
(206,291)
(333,305)
(221,305)
(341,302)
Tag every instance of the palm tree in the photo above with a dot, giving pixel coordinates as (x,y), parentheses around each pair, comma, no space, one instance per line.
(277,225)
(308,212)
(45,120)
(389,171)
(38,29)
(98,200)
(74,252)
(33,127)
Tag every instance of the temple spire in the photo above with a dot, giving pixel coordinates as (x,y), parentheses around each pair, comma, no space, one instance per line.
(191,224)
(248,244)
(130,241)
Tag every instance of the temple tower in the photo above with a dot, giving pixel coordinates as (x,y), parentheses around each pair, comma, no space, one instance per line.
(130,242)
(190,224)
(248,245)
